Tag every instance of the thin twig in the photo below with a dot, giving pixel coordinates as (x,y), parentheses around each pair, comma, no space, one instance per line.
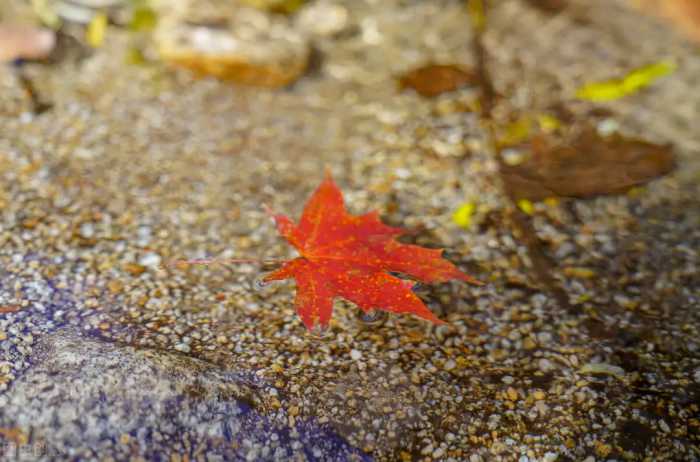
(541,263)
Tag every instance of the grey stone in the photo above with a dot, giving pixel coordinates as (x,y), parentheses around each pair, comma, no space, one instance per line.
(85,397)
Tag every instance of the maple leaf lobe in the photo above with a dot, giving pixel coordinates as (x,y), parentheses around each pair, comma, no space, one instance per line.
(348,256)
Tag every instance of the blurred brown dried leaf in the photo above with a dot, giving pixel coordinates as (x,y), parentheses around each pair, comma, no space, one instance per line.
(434,79)
(549,6)
(586,166)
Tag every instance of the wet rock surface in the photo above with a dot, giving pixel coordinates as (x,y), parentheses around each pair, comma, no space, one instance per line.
(232,41)
(136,165)
(87,398)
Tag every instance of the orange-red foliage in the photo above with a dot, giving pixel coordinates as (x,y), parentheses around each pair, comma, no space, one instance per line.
(349,256)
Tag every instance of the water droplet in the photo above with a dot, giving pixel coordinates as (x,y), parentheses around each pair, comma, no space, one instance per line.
(259,284)
(372,316)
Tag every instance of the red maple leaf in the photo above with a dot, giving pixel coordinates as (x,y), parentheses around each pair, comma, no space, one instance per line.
(348,256)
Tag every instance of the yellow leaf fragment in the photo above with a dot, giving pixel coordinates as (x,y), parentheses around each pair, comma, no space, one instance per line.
(143,19)
(579,272)
(548,123)
(477,14)
(134,56)
(601,91)
(95,33)
(646,75)
(516,132)
(552,202)
(635,192)
(463,215)
(474,106)
(633,82)
(526,206)
(276,6)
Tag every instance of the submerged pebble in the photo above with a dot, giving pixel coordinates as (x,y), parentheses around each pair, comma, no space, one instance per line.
(233,42)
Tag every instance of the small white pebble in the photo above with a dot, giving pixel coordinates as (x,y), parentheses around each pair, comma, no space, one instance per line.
(607,127)
(513,156)
(323,19)
(550,457)
(185,348)
(252,455)
(355,354)
(150,259)
(449,365)
(664,426)
(402,173)
(524,459)
(87,230)
(545,365)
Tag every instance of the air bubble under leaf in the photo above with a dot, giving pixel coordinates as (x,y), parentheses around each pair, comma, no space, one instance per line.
(259,284)
(373,316)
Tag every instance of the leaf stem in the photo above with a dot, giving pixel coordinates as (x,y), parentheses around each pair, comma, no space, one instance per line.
(223,261)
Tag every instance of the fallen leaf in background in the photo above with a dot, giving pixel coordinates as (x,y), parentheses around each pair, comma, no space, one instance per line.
(462,217)
(685,14)
(548,123)
(633,82)
(143,18)
(95,33)
(19,41)
(579,273)
(549,6)
(526,206)
(16,435)
(9,308)
(276,6)
(525,127)
(477,14)
(349,256)
(516,131)
(434,79)
(586,166)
